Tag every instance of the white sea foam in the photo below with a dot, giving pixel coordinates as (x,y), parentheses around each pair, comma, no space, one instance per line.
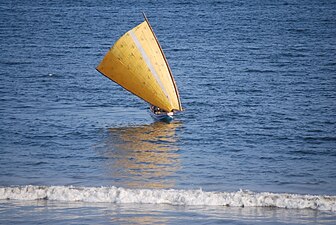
(174,197)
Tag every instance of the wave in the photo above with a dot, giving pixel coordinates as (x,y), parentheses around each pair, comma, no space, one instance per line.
(118,195)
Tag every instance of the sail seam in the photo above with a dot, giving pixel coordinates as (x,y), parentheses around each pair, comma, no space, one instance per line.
(148,62)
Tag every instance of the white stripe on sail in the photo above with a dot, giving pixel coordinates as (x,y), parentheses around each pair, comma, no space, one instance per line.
(148,62)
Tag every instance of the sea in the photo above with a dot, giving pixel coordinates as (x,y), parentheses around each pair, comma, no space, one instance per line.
(255,144)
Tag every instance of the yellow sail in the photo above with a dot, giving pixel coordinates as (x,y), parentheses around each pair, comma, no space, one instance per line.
(137,63)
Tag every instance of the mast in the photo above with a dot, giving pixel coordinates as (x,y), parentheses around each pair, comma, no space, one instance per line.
(165,59)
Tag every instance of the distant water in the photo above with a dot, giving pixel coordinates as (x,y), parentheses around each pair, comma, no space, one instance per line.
(255,145)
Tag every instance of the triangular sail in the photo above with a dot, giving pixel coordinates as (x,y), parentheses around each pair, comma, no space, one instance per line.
(137,63)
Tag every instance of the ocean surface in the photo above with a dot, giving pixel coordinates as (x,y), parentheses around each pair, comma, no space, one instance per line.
(256,143)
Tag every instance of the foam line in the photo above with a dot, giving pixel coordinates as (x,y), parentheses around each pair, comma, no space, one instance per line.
(172,196)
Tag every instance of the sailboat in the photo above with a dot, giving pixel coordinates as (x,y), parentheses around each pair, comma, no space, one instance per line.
(137,63)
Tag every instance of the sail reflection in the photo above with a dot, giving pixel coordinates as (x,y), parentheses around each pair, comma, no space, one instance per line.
(143,156)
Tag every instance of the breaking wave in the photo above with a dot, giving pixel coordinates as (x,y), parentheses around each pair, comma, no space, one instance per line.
(117,195)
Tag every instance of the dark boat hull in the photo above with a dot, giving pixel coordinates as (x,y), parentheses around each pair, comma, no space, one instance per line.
(164,116)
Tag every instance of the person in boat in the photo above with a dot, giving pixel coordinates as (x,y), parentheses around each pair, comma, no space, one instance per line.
(160,114)
(157,110)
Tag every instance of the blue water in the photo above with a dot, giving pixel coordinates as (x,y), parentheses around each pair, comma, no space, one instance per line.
(257,80)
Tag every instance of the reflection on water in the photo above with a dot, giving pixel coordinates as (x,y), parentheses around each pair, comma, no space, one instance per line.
(142,156)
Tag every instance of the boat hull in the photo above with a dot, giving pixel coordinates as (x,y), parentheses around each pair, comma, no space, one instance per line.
(163,117)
